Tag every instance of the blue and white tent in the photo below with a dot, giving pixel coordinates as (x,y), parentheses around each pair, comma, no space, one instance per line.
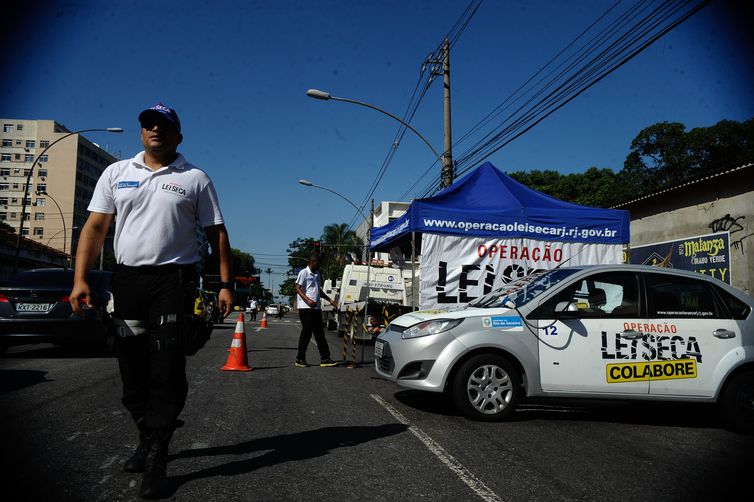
(488,203)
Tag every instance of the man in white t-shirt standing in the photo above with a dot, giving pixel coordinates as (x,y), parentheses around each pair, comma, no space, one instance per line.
(157,200)
(253,308)
(309,291)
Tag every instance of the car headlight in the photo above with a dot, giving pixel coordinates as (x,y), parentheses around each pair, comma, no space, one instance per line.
(431,327)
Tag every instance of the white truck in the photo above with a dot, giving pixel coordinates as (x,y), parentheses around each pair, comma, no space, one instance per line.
(387,287)
(329,315)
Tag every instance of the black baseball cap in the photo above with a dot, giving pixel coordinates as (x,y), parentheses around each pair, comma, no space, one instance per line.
(163,112)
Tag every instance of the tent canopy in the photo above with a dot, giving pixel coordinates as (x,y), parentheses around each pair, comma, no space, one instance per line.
(489,203)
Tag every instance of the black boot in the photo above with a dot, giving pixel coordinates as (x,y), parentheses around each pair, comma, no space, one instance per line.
(139,457)
(154,484)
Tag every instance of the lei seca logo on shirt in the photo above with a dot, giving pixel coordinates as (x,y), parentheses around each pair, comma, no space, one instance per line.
(173,188)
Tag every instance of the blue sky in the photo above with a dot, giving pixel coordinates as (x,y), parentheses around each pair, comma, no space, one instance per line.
(237,73)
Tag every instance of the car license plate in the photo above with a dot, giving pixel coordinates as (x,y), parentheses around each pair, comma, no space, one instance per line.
(33,307)
(378,346)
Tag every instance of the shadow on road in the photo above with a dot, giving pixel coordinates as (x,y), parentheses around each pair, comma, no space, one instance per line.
(47,351)
(428,402)
(13,380)
(692,415)
(282,449)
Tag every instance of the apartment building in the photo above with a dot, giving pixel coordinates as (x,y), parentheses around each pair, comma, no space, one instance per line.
(62,181)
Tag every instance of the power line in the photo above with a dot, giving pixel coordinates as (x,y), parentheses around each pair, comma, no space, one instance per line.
(453,35)
(598,68)
(614,46)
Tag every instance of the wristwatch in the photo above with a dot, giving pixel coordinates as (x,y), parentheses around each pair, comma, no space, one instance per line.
(227,285)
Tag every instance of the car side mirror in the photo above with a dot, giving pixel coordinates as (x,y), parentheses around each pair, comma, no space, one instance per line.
(566,310)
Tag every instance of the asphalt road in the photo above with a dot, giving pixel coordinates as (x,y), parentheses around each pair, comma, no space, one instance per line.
(284,433)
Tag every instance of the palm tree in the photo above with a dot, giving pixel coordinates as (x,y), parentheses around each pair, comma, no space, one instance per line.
(338,240)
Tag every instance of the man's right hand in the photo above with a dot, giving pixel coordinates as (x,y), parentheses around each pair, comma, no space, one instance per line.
(80,288)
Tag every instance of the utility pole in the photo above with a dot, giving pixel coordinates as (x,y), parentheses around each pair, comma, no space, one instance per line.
(447,156)
(369,278)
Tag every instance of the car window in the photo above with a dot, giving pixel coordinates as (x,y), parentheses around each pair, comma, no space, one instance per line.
(736,308)
(523,290)
(601,295)
(679,297)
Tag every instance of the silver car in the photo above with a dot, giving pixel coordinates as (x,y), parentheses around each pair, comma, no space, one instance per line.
(618,331)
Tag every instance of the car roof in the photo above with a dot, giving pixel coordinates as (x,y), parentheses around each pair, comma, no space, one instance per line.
(625,267)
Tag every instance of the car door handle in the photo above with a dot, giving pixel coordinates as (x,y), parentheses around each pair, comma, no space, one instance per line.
(631,334)
(723,333)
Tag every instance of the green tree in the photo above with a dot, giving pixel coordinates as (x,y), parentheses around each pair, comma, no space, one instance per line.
(337,242)
(288,288)
(299,252)
(660,155)
(665,154)
(594,187)
(243,263)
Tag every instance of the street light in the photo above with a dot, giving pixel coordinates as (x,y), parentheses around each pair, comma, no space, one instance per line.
(308,183)
(28,182)
(62,218)
(326,96)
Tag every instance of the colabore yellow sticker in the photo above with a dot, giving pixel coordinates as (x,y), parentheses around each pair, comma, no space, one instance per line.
(652,370)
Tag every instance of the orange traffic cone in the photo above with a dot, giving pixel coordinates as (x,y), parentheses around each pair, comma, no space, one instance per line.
(264,321)
(237,359)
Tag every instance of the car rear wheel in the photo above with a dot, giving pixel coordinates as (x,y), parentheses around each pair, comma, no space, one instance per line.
(487,387)
(737,402)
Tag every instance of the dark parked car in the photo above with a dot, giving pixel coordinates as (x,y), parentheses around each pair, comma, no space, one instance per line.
(35,307)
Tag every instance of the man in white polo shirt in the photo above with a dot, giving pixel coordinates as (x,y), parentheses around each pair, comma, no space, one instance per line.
(309,291)
(157,200)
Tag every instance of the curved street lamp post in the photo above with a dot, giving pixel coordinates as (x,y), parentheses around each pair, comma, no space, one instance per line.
(308,183)
(62,219)
(28,183)
(326,96)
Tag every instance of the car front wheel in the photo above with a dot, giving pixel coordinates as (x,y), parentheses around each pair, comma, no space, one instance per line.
(487,387)
(737,402)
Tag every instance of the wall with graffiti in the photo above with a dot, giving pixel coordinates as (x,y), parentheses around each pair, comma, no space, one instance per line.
(707,227)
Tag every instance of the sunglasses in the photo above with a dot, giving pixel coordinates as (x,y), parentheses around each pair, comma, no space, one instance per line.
(149,124)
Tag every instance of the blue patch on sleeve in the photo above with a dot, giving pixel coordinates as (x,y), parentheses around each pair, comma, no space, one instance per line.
(128,184)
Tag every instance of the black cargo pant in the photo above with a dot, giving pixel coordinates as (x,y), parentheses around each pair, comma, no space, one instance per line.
(153,364)
(311,323)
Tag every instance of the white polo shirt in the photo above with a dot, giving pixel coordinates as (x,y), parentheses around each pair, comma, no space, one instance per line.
(157,212)
(310,283)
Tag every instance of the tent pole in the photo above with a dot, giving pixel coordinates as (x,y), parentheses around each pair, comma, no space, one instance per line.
(413,270)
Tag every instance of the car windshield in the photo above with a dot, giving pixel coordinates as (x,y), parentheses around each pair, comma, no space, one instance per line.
(523,290)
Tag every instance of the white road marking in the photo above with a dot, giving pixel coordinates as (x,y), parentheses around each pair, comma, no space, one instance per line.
(110,461)
(465,475)
(73,436)
(258,330)
(107,476)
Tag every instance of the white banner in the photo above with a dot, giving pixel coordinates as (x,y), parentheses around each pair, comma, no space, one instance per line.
(457,270)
